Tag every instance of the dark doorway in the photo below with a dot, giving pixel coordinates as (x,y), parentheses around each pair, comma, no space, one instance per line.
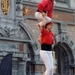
(64,57)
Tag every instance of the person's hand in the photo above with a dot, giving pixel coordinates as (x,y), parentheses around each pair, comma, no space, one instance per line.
(43,14)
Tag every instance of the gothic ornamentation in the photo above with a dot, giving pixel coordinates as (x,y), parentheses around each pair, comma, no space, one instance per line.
(18,1)
(16,32)
(18,8)
(25,10)
(5,5)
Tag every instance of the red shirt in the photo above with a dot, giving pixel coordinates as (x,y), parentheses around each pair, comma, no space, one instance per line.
(47,37)
(46,5)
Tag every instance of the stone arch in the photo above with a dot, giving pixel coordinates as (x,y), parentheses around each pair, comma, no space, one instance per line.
(65,47)
(31,44)
(18,37)
(69,52)
(30,63)
(23,26)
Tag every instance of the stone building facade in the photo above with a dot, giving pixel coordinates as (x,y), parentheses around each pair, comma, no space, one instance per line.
(18,35)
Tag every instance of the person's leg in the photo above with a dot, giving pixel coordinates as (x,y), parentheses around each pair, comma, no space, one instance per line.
(47,20)
(45,57)
(51,61)
(39,17)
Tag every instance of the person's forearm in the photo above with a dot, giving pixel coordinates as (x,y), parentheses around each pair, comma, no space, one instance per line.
(38,26)
(43,20)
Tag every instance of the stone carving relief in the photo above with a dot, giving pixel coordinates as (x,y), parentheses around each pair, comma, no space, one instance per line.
(14,33)
(25,10)
(17,33)
(17,8)
(18,1)
(5,5)
(65,39)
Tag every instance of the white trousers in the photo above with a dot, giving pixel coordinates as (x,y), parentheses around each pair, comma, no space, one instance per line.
(39,17)
(48,61)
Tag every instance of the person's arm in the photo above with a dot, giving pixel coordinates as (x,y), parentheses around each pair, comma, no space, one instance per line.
(50,12)
(38,26)
(43,20)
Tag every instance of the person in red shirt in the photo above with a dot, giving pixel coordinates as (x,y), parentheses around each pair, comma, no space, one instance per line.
(47,36)
(44,7)
(47,40)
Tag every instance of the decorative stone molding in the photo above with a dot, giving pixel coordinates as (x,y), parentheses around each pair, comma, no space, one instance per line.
(18,32)
(18,8)
(18,1)
(63,38)
(25,10)
(18,39)
(5,5)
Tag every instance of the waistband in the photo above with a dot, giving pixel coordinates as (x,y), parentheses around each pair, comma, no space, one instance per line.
(39,11)
(46,47)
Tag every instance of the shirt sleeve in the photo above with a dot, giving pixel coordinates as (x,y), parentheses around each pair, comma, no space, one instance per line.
(42,5)
(50,12)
